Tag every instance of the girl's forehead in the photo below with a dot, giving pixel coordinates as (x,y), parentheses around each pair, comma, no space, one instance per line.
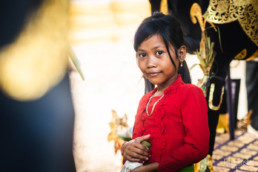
(152,40)
(156,36)
(155,41)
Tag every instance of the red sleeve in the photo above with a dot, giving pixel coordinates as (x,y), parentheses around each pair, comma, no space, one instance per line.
(196,142)
(138,125)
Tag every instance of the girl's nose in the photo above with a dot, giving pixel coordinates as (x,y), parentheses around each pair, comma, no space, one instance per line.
(151,62)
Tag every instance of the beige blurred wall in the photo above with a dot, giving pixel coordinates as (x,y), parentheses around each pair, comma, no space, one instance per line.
(97,20)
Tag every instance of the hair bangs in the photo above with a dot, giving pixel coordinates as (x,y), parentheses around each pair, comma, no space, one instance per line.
(145,31)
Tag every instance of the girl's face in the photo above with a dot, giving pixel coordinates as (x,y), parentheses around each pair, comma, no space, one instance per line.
(154,62)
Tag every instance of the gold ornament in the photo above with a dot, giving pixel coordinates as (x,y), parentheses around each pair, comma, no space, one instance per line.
(243,11)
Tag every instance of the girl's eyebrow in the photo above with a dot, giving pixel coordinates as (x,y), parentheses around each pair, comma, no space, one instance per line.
(156,47)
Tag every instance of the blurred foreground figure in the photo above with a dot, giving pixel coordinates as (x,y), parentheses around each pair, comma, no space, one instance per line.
(38,135)
(36,109)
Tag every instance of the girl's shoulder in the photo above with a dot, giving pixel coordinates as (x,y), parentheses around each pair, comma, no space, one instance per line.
(190,89)
(190,93)
(189,86)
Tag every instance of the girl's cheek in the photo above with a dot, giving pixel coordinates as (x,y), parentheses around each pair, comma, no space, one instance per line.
(141,69)
(140,65)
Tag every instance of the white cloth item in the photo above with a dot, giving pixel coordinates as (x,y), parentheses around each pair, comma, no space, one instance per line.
(128,166)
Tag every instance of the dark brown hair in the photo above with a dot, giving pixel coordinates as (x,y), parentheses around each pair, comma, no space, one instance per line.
(171,32)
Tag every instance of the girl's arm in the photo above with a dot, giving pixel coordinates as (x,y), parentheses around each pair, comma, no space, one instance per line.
(134,151)
(196,141)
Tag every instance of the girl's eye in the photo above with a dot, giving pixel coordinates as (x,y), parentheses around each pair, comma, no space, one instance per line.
(159,53)
(142,55)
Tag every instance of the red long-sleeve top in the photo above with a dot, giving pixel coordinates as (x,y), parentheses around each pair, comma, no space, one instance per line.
(178,126)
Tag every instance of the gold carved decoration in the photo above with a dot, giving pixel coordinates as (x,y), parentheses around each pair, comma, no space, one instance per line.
(211,106)
(253,56)
(196,13)
(164,7)
(241,55)
(244,11)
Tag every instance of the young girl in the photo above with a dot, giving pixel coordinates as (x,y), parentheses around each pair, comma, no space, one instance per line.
(173,116)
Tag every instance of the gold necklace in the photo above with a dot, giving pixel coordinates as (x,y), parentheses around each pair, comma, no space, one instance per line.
(153,107)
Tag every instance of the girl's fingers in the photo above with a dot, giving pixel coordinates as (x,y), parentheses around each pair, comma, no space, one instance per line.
(137,144)
(132,159)
(141,157)
(138,148)
(137,153)
(140,139)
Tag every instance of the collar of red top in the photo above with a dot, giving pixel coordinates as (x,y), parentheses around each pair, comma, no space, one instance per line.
(172,87)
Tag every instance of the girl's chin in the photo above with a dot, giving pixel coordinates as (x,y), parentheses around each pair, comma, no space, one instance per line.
(154,82)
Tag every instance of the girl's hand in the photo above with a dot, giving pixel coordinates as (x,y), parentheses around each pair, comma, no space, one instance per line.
(147,168)
(134,151)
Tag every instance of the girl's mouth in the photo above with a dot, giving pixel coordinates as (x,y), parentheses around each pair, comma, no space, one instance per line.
(153,74)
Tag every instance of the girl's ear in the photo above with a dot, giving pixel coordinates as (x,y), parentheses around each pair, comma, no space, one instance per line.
(181,53)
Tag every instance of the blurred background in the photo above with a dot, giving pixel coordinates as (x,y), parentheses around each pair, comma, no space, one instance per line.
(102,33)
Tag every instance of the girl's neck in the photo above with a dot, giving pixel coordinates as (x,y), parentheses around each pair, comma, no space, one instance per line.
(158,93)
(162,87)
